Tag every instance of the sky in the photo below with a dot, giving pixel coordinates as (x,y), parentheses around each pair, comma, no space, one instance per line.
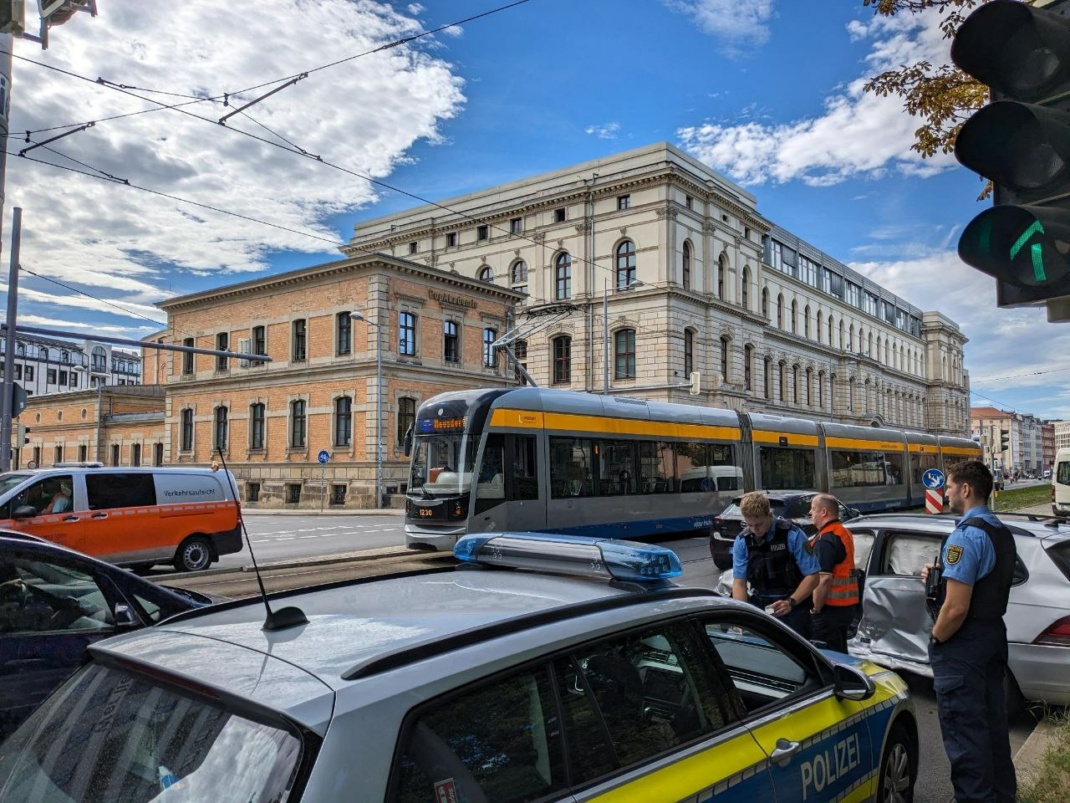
(149,202)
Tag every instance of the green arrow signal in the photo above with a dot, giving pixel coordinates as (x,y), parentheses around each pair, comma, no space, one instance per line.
(1036,251)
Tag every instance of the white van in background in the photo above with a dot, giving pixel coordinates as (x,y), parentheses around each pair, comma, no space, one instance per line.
(1060,484)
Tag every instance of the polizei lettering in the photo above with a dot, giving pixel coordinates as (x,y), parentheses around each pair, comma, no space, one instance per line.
(830,765)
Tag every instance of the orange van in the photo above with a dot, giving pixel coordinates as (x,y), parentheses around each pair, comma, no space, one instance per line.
(135,517)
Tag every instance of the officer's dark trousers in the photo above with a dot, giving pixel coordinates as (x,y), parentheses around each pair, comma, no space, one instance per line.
(968,679)
(831,625)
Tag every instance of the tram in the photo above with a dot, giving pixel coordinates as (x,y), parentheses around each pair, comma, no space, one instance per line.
(538,459)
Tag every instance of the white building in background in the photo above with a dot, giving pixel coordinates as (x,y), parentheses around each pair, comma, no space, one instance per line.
(645,266)
(1062,434)
(46,365)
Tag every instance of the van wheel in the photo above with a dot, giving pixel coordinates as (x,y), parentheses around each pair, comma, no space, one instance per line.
(897,771)
(194,555)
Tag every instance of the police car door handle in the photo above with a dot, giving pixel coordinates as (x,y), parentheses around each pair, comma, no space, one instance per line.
(784,751)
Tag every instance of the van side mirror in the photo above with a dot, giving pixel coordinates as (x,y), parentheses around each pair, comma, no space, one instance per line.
(407,443)
(24,512)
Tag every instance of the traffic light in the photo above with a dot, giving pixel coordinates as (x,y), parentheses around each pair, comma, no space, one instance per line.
(12,16)
(1021,142)
(1004,440)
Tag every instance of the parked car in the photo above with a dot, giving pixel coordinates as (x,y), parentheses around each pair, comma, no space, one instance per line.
(54,603)
(550,667)
(895,624)
(794,505)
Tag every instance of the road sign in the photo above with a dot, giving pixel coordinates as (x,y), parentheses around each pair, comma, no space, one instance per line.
(324,456)
(933,479)
(934,501)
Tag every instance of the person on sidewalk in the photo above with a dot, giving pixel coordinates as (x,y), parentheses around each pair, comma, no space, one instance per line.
(968,645)
(774,558)
(836,595)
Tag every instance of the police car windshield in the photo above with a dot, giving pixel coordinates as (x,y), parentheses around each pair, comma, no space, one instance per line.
(109,730)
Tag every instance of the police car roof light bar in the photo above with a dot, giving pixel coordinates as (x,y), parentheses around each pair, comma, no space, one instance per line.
(602,558)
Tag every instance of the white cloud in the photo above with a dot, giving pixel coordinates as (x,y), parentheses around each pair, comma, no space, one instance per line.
(604,131)
(858,135)
(738,27)
(138,248)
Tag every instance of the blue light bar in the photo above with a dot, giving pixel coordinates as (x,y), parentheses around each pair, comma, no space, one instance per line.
(604,558)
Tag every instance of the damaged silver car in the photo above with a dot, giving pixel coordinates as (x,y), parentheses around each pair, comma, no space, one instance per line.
(895,624)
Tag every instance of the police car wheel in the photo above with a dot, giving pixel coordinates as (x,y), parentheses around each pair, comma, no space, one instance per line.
(194,555)
(897,772)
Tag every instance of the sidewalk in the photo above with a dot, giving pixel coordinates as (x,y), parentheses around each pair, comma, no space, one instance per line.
(382,511)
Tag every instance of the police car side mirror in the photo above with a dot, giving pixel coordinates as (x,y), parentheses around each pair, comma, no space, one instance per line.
(851,684)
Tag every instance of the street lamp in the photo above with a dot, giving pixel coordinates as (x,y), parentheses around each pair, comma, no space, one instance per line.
(357,315)
(605,327)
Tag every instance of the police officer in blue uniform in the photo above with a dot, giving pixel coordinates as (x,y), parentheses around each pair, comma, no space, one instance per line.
(968,645)
(775,558)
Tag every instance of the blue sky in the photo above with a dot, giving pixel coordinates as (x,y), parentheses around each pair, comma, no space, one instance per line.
(768,92)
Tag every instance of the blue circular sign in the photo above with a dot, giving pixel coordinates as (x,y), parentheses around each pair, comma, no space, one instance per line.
(324,456)
(933,479)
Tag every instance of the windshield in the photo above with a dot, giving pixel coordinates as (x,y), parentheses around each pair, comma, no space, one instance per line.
(11,479)
(442,465)
(107,735)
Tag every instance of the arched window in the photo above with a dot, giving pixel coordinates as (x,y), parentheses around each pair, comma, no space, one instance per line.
(809,379)
(100,358)
(689,352)
(624,350)
(486,274)
(451,342)
(725,344)
(795,317)
(821,390)
(806,321)
(765,301)
(256,425)
(219,440)
(562,353)
(869,346)
(744,289)
(796,396)
(518,276)
(490,356)
(748,361)
(686,279)
(820,321)
(877,353)
(767,377)
(298,422)
(780,311)
(850,337)
(343,421)
(783,379)
(851,395)
(625,264)
(186,436)
(562,277)
(406,417)
(722,268)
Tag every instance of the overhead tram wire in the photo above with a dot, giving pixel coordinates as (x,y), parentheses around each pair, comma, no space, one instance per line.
(225,96)
(58,283)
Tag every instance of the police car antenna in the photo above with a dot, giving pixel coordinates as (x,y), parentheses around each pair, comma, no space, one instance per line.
(283,618)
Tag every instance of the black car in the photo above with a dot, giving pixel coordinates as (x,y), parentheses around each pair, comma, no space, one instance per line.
(794,505)
(55,602)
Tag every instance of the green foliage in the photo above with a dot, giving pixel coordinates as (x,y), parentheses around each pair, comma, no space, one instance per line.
(1049,781)
(1018,498)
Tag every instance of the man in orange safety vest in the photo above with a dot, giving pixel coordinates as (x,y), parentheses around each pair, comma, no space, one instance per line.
(836,598)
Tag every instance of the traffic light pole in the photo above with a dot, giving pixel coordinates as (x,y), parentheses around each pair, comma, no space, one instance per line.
(9,340)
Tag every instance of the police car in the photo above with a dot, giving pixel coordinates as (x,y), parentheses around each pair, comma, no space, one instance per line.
(543,668)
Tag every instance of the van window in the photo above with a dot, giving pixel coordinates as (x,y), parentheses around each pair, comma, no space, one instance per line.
(1062,473)
(115,489)
(49,495)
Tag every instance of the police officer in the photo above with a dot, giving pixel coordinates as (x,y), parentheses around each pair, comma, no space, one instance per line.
(968,645)
(775,558)
(836,594)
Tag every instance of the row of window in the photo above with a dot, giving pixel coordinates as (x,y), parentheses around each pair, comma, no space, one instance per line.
(59,454)
(53,376)
(407,342)
(516,226)
(297,435)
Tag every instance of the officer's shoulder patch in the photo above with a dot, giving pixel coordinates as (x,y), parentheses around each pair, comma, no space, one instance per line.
(954,554)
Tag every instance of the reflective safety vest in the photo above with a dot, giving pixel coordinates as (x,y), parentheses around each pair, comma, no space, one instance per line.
(844,588)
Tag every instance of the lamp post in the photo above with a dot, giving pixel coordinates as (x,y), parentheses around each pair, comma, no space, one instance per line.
(605,327)
(357,315)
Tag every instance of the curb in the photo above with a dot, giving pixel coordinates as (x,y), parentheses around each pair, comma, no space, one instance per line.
(382,511)
(1029,755)
(350,557)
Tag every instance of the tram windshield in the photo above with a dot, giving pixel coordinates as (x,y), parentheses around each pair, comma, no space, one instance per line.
(442,465)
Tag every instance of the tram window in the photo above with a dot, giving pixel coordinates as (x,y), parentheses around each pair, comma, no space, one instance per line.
(786,468)
(919,464)
(491,482)
(861,469)
(617,468)
(570,467)
(525,468)
(705,467)
(656,467)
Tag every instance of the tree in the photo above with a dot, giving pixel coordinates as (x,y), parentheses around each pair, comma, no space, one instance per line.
(943,97)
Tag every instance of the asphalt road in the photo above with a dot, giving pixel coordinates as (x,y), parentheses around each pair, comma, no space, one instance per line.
(284,538)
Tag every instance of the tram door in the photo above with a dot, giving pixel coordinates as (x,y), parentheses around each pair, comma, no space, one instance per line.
(507,488)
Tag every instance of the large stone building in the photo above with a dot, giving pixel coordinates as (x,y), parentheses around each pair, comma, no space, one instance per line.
(643,267)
